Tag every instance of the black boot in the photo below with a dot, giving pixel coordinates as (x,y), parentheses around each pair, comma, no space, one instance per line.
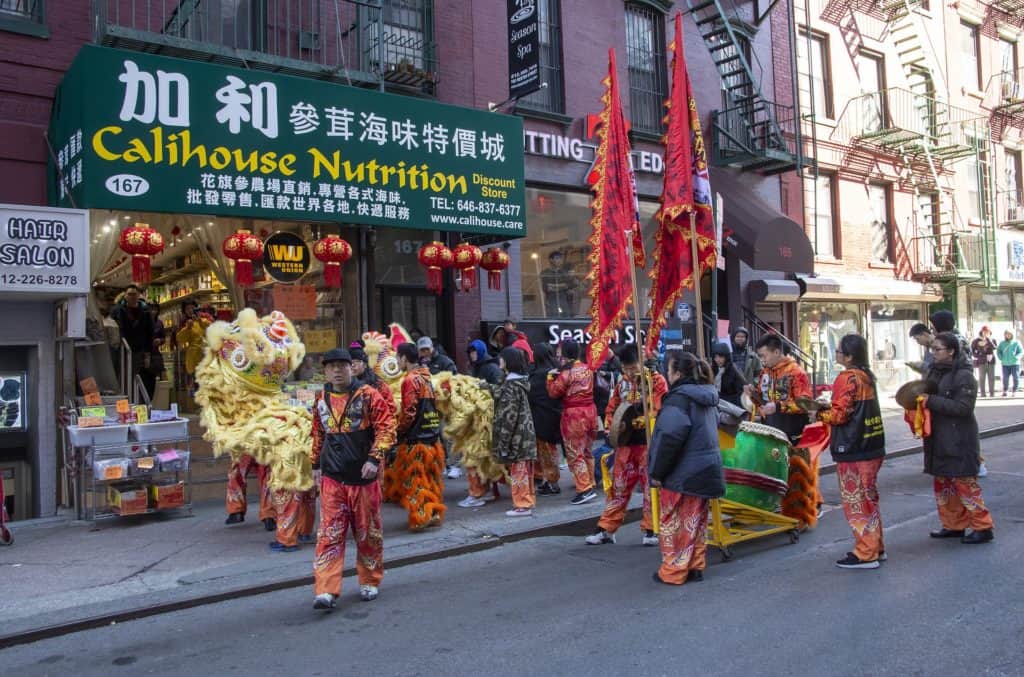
(978,536)
(269,524)
(235,518)
(947,533)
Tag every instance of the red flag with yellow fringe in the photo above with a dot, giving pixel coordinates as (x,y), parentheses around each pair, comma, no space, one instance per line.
(686,189)
(614,213)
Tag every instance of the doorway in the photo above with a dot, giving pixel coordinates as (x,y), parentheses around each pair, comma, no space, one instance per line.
(414,309)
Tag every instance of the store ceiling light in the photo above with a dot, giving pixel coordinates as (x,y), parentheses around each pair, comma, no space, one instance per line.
(127,217)
(107,228)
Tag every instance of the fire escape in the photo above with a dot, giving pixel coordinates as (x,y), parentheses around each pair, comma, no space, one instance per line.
(751,133)
(929,135)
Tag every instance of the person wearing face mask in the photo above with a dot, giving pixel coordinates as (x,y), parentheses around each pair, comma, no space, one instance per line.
(685,465)
(353,429)
(952,452)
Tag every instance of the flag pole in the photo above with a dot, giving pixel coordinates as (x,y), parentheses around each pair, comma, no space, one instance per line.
(696,285)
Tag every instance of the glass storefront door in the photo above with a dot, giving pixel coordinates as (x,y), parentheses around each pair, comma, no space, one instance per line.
(822,325)
(890,344)
(414,309)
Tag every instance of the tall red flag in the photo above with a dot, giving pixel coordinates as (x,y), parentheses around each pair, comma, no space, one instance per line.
(614,209)
(686,189)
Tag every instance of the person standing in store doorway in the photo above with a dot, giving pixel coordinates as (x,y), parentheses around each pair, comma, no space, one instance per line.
(559,285)
(136,325)
(1009,352)
(983,352)
(419,460)
(573,384)
(353,429)
(923,336)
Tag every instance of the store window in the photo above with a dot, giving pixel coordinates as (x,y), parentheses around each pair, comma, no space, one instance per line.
(819,204)
(554,254)
(648,73)
(815,73)
(822,327)
(993,309)
(879,196)
(549,99)
(891,346)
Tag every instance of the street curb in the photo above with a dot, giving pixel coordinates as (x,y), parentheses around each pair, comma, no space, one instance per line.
(571,527)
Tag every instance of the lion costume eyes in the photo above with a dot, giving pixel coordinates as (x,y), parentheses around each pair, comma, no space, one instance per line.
(239,360)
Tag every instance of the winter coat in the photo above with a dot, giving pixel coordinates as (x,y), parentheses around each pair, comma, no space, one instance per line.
(547,411)
(486,367)
(514,438)
(953,449)
(439,362)
(783,384)
(745,359)
(684,454)
(730,384)
(136,326)
(983,351)
(1009,352)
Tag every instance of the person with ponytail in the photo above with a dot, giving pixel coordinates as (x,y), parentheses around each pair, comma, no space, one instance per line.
(858,448)
(685,463)
(573,384)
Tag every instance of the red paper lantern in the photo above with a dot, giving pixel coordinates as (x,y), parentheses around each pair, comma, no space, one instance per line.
(141,242)
(242,247)
(436,257)
(467,258)
(494,261)
(334,252)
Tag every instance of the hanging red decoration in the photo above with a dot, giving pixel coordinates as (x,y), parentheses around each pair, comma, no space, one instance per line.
(333,252)
(242,247)
(436,257)
(264,233)
(494,261)
(141,242)
(467,258)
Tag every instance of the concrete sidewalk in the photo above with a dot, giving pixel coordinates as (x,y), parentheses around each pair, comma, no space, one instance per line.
(65,572)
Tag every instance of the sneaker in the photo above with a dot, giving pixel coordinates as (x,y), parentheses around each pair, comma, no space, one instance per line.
(583,497)
(882,556)
(454,472)
(368,593)
(549,489)
(519,512)
(563,466)
(600,537)
(851,561)
(270,524)
(277,546)
(324,601)
(235,518)
(649,539)
(472,502)
(982,470)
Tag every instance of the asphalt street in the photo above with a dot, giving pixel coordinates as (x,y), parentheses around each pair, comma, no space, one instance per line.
(555,606)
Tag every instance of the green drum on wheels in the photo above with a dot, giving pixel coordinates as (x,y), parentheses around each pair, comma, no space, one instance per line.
(757,468)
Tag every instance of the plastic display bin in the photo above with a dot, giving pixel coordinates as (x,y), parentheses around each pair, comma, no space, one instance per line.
(95,437)
(173,460)
(165,430)
(111,469)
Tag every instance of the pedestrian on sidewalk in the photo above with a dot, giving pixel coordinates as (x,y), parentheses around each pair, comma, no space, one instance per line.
(686,466)
(1009,352)
(983,352)
(547,416)
(419,460)
(945,321)
(513,438)
(631,455)
(857,443)
(952,453)
(573,384)
(353,428)
(923,336)
(482,365)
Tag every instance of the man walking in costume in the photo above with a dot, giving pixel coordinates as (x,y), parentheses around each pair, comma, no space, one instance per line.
(631,454)
(353,428)
(573,384)
(419,461)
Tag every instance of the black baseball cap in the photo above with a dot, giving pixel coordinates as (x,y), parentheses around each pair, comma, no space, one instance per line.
(336,355)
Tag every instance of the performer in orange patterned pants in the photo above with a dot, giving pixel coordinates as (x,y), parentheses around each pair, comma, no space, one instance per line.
(236,501)
(345,506)
(858,488)
(546,469)
(573,384)
(684,525)
(960,504)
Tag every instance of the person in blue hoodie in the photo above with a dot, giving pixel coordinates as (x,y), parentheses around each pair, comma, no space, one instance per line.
(685,463)
(484,366)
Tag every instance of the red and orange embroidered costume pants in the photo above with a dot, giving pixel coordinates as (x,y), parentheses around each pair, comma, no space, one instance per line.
(344,506)
(858,489)
(546,467)
(579,430)
(415,481)
(960,504)
(684,524)
(630,468)
(521,479)
(237,474)
(296,514)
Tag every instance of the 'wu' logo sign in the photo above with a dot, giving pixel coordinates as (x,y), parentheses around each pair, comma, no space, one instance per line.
(285,257)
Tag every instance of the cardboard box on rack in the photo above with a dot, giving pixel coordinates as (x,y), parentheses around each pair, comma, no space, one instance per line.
(127,501)
(163,496)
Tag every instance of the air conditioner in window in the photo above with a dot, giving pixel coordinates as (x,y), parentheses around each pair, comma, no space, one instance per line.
(1011,90)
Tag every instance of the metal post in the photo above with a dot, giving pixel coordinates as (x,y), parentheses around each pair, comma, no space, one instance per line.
(380,44)
(696,285)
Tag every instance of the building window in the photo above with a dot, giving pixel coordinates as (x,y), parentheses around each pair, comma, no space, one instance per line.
(970,37)
(1011,191)
(879,201)
(648,74)
(819,206)
(550,98)
(23,16)
(871,72)
(815,74)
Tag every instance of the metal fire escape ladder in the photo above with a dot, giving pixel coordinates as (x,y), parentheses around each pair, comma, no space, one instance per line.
(750,125)
(916,52)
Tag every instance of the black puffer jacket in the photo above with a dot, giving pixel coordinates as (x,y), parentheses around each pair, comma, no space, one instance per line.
(953,449)
(547,411)
(683,454)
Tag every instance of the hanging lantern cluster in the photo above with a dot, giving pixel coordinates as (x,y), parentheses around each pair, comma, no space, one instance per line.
(495,260)
(141,242)
(467,258)
(243,247)
(333,252)
(436,257)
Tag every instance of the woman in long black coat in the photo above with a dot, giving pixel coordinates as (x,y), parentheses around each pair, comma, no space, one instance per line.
(952,450)
(547,417)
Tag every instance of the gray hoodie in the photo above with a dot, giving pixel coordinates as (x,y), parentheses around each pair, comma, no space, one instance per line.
(745,359)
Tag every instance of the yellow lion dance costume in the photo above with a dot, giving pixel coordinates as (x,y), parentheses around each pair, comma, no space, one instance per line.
(243,407)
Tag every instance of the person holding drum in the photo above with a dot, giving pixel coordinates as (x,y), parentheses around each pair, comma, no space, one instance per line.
(685,463)
(857,443)
(781,383)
